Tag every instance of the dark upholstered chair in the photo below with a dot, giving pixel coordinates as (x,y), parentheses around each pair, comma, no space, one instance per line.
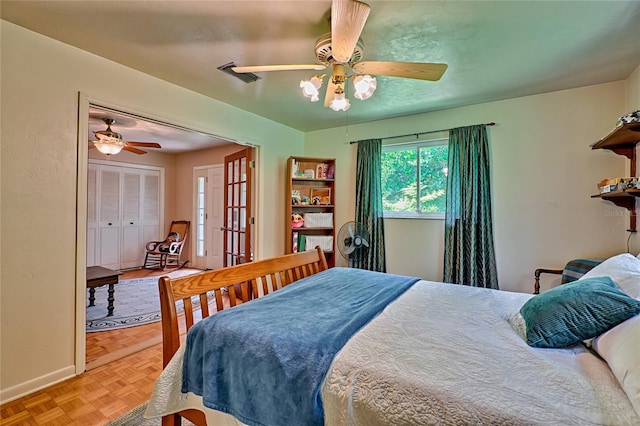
(573,270)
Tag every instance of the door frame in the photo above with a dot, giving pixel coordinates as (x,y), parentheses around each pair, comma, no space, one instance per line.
(84,102)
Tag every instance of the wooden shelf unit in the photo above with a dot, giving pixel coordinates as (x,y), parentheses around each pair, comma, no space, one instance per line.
(306,187)
(623,141)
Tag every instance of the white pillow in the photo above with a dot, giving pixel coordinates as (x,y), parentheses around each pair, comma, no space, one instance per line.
(620,347)
(625,271)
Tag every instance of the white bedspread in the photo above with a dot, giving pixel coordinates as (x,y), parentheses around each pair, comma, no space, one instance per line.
(445,354)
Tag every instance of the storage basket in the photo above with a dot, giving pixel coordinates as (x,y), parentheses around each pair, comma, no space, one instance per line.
(324,241)
(318,220)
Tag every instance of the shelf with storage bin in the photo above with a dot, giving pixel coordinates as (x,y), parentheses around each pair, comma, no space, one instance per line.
(310,186)
(623,140)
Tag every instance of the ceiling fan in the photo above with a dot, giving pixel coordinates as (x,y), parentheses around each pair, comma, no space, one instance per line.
(341,50)
(110,142)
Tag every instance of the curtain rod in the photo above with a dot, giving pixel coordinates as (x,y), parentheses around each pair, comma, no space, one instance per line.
(422,133)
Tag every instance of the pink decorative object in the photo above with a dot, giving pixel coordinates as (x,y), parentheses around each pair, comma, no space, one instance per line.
(297,221)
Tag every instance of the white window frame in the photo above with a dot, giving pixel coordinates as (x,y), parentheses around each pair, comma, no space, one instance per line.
(416,145)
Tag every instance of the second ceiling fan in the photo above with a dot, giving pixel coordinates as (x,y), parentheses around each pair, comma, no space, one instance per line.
(341,50)
(110,142)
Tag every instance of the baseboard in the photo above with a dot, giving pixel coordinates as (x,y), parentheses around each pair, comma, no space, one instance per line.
(34,385)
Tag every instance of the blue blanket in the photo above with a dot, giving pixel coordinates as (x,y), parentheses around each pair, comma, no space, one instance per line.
(264,361)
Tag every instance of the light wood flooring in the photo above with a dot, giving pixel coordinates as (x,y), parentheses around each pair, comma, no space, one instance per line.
(122,366)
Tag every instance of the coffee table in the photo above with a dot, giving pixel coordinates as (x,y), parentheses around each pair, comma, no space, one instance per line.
(97,276)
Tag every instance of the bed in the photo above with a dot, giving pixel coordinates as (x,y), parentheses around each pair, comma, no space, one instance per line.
(428,353)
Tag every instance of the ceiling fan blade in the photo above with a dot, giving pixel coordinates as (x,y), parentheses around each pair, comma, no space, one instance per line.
(347,21)
(266,68)
(145,144)
(134,150)
(417,70)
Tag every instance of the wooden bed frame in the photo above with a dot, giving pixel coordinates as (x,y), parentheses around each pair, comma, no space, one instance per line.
(263,277)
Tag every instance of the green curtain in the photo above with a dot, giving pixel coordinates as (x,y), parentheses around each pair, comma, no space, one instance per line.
(469,256)
(369,203)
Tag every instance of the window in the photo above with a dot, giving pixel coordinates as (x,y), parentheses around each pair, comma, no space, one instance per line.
(414,179)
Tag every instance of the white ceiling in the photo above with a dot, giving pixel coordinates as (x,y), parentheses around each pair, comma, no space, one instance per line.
(495,49)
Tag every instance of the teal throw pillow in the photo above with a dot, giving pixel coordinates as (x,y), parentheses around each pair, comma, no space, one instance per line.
(577,311)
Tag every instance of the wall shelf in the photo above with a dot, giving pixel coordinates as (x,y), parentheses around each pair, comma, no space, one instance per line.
(623,141)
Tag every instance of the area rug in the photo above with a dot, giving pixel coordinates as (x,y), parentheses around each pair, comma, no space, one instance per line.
(137,302)
(135,418)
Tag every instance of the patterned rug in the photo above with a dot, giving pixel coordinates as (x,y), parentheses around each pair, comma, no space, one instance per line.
(137,302)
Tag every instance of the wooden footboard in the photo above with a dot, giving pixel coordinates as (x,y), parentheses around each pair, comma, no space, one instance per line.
(264,277)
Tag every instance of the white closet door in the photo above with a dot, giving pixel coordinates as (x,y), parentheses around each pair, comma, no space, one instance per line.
(151,206)
(92,215)
(109,216)
(132,247)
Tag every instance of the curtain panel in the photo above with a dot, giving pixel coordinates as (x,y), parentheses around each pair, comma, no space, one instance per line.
(469,256)
(369,210)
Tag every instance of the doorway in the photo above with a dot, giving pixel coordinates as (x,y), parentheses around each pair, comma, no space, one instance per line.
(176,203)
(209,193)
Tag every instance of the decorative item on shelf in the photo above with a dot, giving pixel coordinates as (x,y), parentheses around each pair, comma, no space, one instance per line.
(295,242)
(294,168)
(309,174)
(330,172)
(632,117)
(321,170)
(305,200)
(318,220)
(297,221)
(617,184)
(324,241)
(296,198)
(321,196)
(302,243)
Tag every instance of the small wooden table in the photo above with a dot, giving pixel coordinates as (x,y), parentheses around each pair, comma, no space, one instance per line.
(97,276)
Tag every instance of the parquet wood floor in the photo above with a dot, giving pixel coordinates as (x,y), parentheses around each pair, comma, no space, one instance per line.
(114,386)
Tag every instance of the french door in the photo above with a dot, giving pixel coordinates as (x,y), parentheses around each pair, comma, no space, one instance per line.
(238,178)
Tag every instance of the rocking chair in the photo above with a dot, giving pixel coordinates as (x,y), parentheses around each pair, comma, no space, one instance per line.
(163,254)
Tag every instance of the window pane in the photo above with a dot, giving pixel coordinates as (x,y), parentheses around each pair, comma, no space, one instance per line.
(433,178)
(414,179)
(399,180)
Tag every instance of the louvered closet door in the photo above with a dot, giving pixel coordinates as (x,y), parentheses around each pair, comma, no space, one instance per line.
(92,215)
(151,208)
(109,216)
(131,252)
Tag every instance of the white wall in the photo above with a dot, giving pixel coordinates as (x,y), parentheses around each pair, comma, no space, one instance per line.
(40,81)
(633,104)
(543,174)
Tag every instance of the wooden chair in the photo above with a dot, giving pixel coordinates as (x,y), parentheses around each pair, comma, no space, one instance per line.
(166,253)
(573,270)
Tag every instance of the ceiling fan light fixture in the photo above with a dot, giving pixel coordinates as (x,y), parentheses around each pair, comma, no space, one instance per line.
(310,88)
(339,102)
(364,86)
(109,146)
